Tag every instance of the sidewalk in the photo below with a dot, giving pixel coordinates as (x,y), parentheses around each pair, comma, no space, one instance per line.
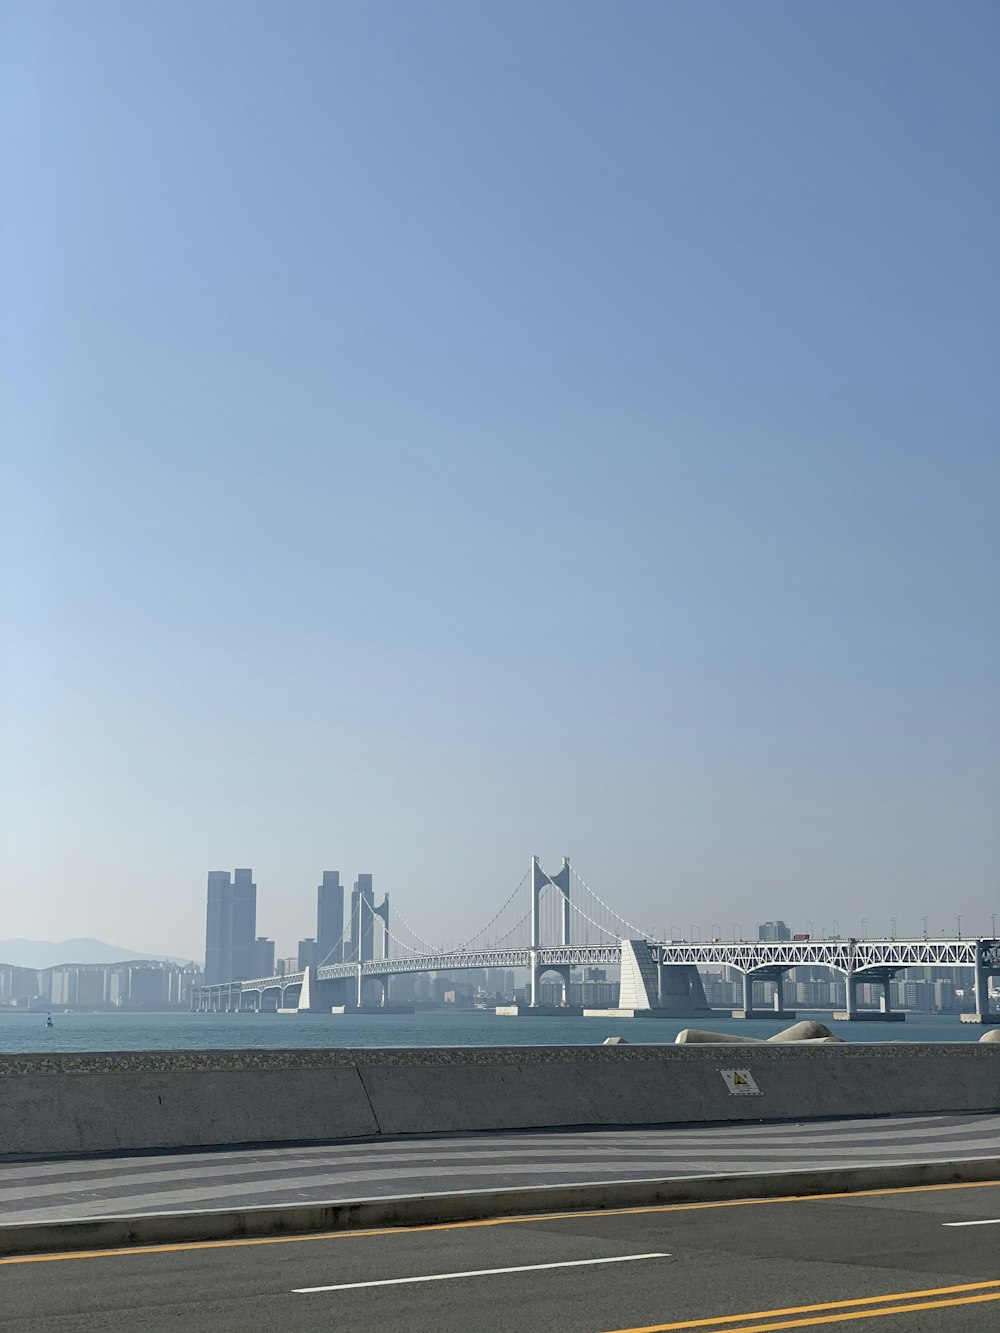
(64,1190)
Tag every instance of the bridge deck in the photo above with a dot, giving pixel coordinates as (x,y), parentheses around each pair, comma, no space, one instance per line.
(874,957)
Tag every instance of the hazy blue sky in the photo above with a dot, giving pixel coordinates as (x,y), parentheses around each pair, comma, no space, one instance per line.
(440,432)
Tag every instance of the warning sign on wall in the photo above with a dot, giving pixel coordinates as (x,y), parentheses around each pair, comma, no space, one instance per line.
(740,1083)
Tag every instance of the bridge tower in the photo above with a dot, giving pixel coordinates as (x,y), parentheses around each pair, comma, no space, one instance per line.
(383,911)
(560,881)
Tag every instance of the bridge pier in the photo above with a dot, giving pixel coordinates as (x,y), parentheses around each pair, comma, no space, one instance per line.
(777,1010)
(986,950)
(854,1013)
(537,971)
(563,973)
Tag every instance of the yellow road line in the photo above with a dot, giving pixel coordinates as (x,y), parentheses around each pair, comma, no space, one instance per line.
(519,1220)
(718,1321)
(814,1322)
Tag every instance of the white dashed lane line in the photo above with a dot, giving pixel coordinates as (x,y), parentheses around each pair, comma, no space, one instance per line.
(477,1272)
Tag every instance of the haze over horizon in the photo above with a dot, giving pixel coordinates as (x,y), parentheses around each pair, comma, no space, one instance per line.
(436,434)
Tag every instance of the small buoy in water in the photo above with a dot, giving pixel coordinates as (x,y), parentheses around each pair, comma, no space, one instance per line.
(48,1021)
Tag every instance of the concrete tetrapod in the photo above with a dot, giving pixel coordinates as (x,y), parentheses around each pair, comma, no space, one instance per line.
(807,1031)
(701,1037)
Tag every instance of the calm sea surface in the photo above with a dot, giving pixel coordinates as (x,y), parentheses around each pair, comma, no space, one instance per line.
(165,1032)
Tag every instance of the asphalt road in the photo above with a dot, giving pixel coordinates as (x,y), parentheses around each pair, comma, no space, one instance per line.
(56,1190)
(925,1260)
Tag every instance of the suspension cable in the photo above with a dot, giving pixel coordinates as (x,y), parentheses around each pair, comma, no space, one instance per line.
(484,929)
(596,924)
(431,948)
(407,948)
(343,936)
(516,926)
(644,934)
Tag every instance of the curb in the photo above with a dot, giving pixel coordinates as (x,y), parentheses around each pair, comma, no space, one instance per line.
(154,1229)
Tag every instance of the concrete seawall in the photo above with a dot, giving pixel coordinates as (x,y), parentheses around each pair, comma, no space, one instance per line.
(68,1103)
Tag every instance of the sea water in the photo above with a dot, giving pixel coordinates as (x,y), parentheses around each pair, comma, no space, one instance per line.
(22,1031)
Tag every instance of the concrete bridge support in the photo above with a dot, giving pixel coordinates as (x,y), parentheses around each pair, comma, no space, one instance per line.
(563,973)
(981,985)
(679,991)
(777,1009)
(885,999)
(853,1013)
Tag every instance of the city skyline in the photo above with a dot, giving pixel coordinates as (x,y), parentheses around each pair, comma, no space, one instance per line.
(889,974)
(449,432)
(286,937)
(341,936)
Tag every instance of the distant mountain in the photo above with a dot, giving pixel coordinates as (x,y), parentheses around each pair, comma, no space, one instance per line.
(46,953)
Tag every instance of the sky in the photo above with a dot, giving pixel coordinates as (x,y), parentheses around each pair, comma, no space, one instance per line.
(438,432)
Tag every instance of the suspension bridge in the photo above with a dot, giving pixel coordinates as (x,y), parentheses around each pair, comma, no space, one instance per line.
(552,923)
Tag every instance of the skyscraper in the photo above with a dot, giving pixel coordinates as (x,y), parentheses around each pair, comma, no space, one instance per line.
(231,926)
(773,930)
(362,948)
(216,925)
(330,918)
(263,960)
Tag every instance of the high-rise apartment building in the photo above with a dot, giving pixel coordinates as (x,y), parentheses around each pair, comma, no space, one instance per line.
(231,926)
(773,930)
(330,918)
(362,946)
(263,962)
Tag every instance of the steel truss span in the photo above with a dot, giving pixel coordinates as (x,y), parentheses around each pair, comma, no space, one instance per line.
(848,955)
